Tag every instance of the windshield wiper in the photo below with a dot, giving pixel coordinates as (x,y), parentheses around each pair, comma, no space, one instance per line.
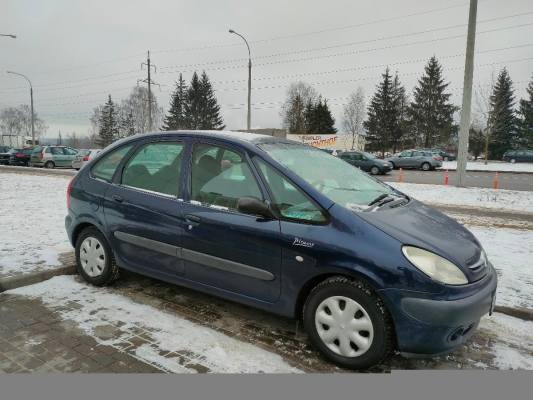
(381,197)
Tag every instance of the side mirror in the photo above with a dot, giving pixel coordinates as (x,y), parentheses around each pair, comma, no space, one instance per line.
(254,206)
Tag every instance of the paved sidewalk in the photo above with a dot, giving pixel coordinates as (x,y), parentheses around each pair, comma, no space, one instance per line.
(36,338)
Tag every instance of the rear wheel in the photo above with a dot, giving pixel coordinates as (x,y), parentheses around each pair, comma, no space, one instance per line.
(95,259)
(374,170)
(446,159)
(426,166)
(348,323)
(49,165)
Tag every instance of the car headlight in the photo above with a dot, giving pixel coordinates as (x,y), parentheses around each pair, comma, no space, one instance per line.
(434,266)
(385,165)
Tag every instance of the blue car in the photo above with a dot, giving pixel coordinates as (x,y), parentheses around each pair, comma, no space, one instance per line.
(284,227)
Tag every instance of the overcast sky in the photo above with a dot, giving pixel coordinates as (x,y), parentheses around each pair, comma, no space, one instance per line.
(77,52)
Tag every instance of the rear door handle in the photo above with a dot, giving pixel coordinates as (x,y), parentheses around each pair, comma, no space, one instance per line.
(193,218)
(118,198)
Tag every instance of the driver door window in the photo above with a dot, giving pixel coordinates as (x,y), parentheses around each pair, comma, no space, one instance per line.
(290,202)
(220,177)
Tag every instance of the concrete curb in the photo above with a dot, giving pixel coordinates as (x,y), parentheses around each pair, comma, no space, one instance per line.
(36,277)
(44,171)
(484,170)
(522,313)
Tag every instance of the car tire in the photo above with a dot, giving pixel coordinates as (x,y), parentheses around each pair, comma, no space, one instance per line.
(426,166)
(513,160)
(77,169)
(446,159)
(95,259)
(374,170)
(49,165)
(27,164)
(374,344)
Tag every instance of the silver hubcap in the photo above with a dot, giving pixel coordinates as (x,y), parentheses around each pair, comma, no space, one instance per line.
(92,257)
(513,161)
(344,326)
(425,167)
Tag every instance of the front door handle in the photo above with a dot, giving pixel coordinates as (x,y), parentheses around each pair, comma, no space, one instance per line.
(192,218)
(118,198)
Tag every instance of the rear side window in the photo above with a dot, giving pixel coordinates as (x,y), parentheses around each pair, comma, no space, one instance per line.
(38,149)
(84,152)
(511,153)
(48,150)
(155,167)
(106,167)
(70,152)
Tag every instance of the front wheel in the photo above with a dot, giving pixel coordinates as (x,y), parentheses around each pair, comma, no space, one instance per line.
(374,170)
(446,159)
(94,258)
(348,324)
(426,166)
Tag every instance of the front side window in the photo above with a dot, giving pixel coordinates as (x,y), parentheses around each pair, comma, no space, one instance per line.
(337,180)
(106,167)
(70,152)
(290,202)
(155,167)
(220,177)
(405,154)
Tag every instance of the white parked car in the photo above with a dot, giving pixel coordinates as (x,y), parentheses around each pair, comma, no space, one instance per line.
(83,157)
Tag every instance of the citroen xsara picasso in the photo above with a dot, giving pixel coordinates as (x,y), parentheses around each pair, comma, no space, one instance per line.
(284,227)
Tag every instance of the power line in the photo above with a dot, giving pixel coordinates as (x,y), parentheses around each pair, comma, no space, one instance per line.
(69,97)
(321,31)
(349,53)
(349,44)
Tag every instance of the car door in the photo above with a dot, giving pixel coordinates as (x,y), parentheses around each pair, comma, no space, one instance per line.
(58,156)
(348,157)
(403,159)
(70,154)
(142,210)
(417,158)
(222,247)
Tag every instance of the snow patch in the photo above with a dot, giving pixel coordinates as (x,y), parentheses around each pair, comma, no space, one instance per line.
(195,344)
(491,166)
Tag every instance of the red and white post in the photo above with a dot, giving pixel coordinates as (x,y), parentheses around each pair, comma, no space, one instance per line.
(447,178)
(496,180)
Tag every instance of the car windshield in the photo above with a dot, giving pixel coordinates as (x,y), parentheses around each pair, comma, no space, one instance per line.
(336,179)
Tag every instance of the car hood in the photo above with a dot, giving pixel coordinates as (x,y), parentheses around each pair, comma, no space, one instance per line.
(419,225)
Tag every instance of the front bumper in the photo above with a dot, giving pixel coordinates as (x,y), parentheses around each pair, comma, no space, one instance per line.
(384,169)
(429,325)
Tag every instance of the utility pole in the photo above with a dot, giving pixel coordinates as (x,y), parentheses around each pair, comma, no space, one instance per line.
(150,83)
(462,156)
(249,119)
(32,115)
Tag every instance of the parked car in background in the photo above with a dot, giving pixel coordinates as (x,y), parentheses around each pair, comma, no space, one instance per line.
(444,155)
(83,157)
(366,161)
(52,156)
(20,156)
(284,227)
(4,154)
(514,156)
(333,152)
(425,160)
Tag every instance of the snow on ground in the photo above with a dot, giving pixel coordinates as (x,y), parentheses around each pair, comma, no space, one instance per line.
(168,332)
(491,166)
(32,227)
(513,348)
(504,200)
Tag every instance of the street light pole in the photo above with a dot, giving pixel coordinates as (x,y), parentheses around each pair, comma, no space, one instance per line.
(249,80)
(32,118)
(13,36)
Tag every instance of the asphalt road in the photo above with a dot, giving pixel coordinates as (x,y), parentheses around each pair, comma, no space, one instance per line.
(477,179)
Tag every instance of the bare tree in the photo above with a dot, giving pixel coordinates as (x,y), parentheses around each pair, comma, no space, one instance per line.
(137,104)
(297,96)
(353,115)
(16,121)
(485,117)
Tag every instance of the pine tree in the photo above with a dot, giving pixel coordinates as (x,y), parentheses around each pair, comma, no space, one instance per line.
(525,124)
(324,123)
(502,112)
(108,131)
(309,117)
(476,142)
(400,104)
(382,116)
(431,112)
(127,126)
(175,120)
(193,103)
(210,118)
